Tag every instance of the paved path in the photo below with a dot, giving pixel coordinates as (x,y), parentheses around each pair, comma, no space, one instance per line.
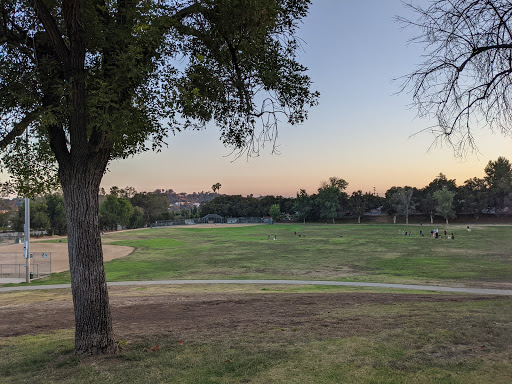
(432,288)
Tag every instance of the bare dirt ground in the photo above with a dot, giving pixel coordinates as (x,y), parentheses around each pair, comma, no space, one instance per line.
(59,253)
(192,316)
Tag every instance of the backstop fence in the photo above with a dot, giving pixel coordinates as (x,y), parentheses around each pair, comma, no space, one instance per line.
(17,237)
(14,264)
(11,237)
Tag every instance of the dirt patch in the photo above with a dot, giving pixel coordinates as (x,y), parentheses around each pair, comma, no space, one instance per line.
(199,315)
(13,253)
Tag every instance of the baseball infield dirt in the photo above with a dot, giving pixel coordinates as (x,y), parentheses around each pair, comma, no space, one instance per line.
(59,253)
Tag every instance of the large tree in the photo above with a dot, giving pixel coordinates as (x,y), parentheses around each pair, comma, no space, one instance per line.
(115,211)
(152,203)
(464,80)
(360,203)
(426,199)
(499,181)
(474,196)
(331,197)
(84,82)
(403,202)
(303,204)
(444,203)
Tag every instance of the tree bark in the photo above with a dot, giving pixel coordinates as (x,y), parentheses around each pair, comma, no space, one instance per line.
(93,322)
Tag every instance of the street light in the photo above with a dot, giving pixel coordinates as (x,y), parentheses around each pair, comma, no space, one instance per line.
(26,244)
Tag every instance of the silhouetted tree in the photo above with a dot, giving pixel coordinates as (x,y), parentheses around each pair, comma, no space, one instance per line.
(464,80)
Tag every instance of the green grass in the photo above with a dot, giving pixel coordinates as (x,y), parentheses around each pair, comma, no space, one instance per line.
(445,343)
(374,253)
(63,240)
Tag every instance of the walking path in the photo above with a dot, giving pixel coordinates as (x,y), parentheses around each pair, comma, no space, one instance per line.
(432,288)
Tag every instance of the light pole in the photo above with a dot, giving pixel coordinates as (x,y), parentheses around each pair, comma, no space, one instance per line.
(26,244)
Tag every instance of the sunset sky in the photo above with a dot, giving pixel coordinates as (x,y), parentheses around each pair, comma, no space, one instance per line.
(361,131)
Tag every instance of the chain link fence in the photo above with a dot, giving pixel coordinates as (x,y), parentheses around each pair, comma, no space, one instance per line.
(14,264)
(211,219)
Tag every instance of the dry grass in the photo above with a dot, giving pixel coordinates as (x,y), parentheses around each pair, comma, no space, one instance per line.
(261,337)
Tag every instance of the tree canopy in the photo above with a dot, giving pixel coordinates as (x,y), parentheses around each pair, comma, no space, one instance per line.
(122,62)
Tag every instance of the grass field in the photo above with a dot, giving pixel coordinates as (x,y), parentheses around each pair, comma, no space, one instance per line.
(278,334)
(374,253)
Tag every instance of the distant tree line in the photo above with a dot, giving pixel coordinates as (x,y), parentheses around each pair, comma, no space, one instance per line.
(123,207)
(491,194)
(249,206)
(131,209)
(128,208)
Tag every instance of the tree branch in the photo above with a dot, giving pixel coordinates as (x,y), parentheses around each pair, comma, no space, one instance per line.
(477,51)
(53,31)
(176,19)
(18,129)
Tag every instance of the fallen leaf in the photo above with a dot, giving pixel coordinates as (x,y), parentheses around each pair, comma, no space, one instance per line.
(155,348)
(228,361)
(180,342)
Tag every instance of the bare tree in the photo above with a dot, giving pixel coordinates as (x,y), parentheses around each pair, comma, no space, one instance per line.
(465,79)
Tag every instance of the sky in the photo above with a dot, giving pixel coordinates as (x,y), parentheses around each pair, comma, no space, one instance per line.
(361,131)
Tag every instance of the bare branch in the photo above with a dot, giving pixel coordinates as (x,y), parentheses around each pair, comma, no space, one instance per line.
(466,77)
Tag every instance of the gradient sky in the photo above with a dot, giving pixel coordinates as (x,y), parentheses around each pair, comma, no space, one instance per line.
(361,131)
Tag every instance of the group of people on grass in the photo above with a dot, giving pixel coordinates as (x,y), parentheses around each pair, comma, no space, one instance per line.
(434,233)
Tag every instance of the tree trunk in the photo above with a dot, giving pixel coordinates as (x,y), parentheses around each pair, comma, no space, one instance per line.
(358,219)
(406,219)
(93,322)
(446,221)
(431,219)
(394,219)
